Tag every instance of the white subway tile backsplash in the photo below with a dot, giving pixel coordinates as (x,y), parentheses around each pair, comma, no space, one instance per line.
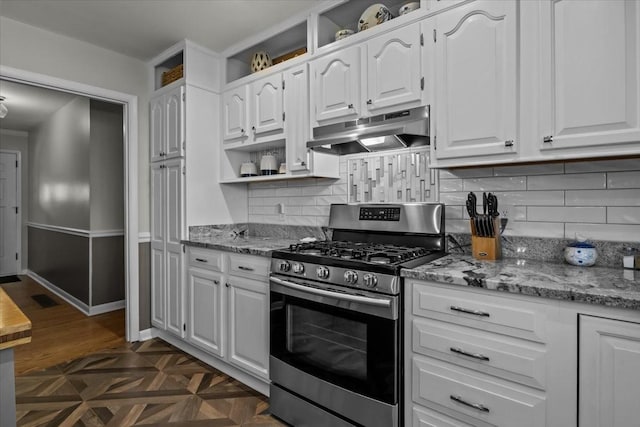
(457,226)
(626,197)
(450,185)
(454,212)
(522,170)
(315,210)
(453,198)
(611,232)
(531,198)
(465,173)
(593,181)
(567,214)
(262,192)
(339,190)
(623,179)
(301,201)
(623,215)
(508,183)
(602,166)
(289,191)
(535,229)
(316,190)
(327,200)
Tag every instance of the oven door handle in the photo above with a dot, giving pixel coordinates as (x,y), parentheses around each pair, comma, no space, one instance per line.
(345,297)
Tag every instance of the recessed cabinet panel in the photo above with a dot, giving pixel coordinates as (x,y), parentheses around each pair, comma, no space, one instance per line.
(174,123)
(158,316)
(206,311)
(336,85)
(174,291)
(589,81)
(475,83)
(158,201)
(266,100)
(394,72)
(235,113)
(156,128)
(296,100)
(174,201)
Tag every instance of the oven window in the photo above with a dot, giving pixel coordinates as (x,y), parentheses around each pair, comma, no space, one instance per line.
(328,342)
(353,350)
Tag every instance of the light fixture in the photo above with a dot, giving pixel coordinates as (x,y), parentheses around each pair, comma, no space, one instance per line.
(3,108)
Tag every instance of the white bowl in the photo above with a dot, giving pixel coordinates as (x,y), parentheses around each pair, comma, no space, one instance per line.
(374,15)
(341,34)
(581,254)
(409,7)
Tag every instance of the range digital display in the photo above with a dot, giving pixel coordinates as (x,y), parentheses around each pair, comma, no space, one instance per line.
(379,214)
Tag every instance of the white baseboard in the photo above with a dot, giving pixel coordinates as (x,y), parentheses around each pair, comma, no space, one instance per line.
(75,302)
(148,334)
(62,294)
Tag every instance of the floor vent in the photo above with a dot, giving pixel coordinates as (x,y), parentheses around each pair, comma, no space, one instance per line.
(9,279)
(45,301)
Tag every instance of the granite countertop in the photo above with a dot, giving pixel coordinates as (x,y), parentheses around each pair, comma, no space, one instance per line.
(614,287)
(261,246)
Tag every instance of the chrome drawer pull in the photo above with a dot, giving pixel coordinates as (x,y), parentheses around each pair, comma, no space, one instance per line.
(242,267)
(469,311)
(477,406)
(466,353)
(201,260)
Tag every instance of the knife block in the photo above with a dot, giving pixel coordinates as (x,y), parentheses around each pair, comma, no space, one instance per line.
(486,248)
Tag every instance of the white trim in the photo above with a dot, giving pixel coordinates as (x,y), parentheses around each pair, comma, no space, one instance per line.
(77,231)
(148,334)
(11,132)
(130,129)
(62,294)
(144,237)
(106,233)
(18,155)
(107,307)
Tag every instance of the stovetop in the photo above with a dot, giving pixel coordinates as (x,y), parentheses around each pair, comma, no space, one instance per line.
(359,251)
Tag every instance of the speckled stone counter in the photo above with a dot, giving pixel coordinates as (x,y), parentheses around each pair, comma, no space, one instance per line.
(614,287)
(261,246)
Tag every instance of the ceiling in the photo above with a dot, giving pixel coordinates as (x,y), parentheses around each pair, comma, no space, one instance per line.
(137,28)
(144,28)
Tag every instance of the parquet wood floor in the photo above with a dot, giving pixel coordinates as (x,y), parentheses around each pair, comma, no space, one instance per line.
(138,384)
(60,333)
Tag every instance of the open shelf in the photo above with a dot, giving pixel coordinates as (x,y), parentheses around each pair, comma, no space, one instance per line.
(283,43)
(234,158)
(166,65)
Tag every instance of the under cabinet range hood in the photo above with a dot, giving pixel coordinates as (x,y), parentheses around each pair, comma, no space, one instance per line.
(407,128)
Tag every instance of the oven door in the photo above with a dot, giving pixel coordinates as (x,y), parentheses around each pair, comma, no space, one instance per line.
(349,341)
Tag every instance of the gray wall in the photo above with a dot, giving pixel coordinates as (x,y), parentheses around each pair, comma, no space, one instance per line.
(107,273)
(59,168)
(106,166)
(19,141)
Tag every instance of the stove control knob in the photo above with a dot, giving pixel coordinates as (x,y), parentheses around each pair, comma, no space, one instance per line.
(370,280)
(298,268)
(322,272)
(350,277)
(284,266)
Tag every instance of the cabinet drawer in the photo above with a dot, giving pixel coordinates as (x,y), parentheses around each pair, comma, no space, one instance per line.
(506,357)
(487,311)
(423,417)
(475,398)
(249,266)
(205,258)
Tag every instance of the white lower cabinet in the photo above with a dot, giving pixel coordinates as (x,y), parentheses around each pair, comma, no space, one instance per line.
(609,372)
(228,308)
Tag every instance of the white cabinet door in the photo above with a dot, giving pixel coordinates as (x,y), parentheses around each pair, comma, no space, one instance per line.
(476,109)
(174,123)
(174,206)
(157,135)
(249,325)
(393,70)
(206,310)
(336,85)
(235,113)
(296,104)
(266,105)
(158,317)
(609,363)
(590,76)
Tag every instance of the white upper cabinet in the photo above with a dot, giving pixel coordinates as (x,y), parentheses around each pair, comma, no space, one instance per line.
(335,91)
(266,105)
(393,70)
(475,54)
(235,114)
(590,78)
(167,125)
(381,75)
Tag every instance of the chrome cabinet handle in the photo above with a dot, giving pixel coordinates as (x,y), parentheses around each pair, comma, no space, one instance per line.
(201,260)
(478,406)
(350,106)
(508,143)
(369,102)
(242,131)
(242,267)
(547,139)
(469,311)
(217,282)
(227,285)
(466,353)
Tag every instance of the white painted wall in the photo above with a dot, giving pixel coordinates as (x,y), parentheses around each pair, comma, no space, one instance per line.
(36,50)
(19,141)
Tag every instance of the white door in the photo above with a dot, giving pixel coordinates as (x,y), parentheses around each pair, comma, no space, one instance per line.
(394,71)
(174,122)
(206,310)
(249,325)
(590,76)
(266,105)
(335,87)
(609,363)
(234,106)
(8,214)
(476,80)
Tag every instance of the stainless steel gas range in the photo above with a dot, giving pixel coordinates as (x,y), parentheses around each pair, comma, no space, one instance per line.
(336,315)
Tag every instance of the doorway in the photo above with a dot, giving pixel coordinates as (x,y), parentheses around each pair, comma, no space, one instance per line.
(9,212)
(130,129)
